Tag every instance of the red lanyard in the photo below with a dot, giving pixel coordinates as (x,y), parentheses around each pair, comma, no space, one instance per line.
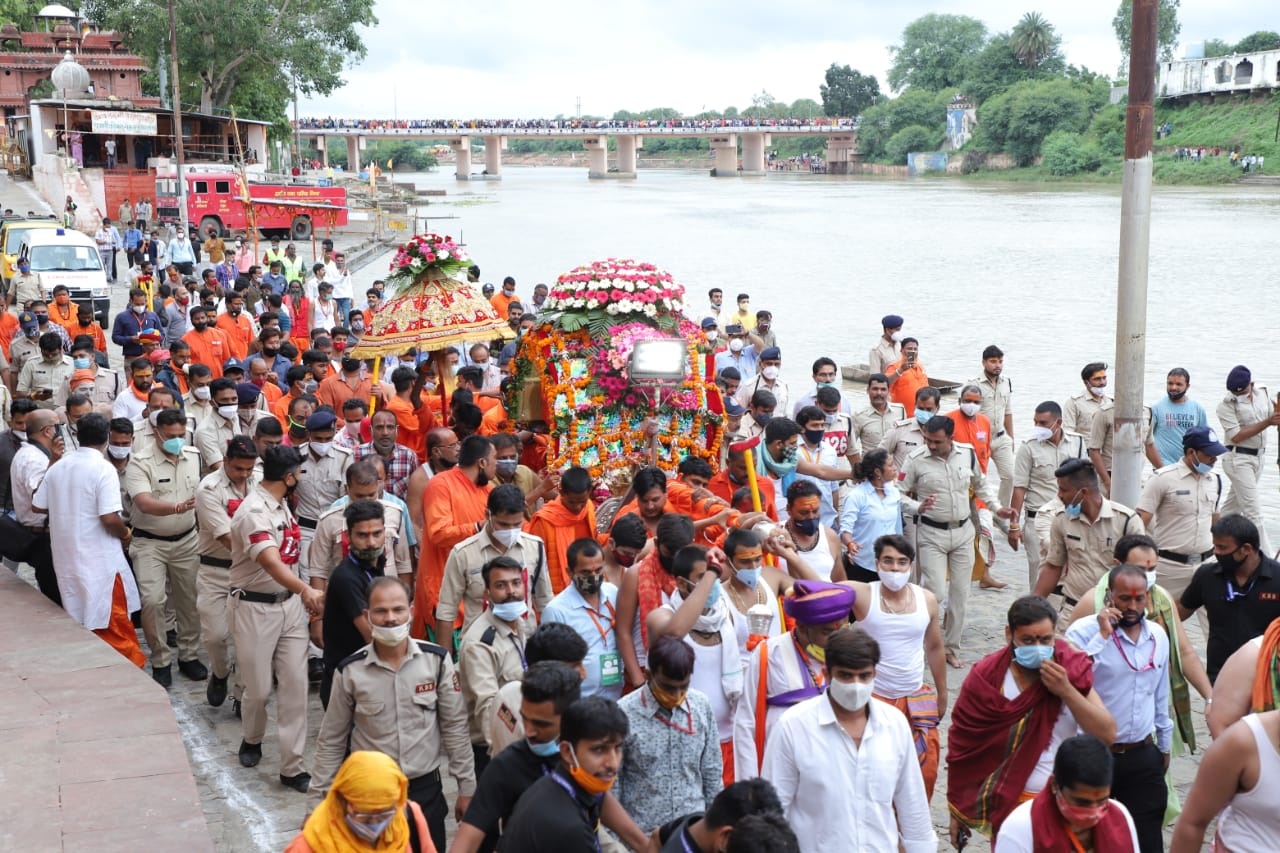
(604,635)
(817,679)
(1151,661)
(668,721)
(1075,842)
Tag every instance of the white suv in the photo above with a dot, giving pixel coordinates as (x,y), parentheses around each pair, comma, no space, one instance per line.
(64,256)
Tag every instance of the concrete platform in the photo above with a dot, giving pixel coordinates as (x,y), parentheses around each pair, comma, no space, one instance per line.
(91,757)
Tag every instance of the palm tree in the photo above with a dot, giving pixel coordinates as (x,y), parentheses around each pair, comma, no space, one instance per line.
(1033,39)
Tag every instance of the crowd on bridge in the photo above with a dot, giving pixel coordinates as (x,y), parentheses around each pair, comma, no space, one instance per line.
(429,126)
(727,658)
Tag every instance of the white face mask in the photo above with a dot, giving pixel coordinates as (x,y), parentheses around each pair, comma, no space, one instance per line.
(970,409)
(321,448)
(1041,433)
(1098,391)
(712,334)
(20,434)
(389,635)
(352,428)
(506,538)
(1151,578)
(154,416)
(1242,398)
(896,337)
(228,412)
(850,695)
(117,452)
(893,581)
(770,373)
(735,345)
(201,393)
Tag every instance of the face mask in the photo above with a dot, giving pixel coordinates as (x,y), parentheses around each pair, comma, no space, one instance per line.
(807,526)
(153,417)
(1243,398)
(228,412)
(368,556)
(389,635)
(588,584)
(352,429)
(138,309)
(368,831)
(510,611)
(82,363)
(850,695)
(1073,510)
(1229,562)
(735,345)
(173,446)
(970,409)
(310,386)
(506,538)
(117,452)
(780,469)
(201,393)
(813,436)
(200,327)
(321,448)
(713,598)
(1151,578)
(816,652)
(896,337)
(770,373)
(1030,657)
(922,417)
(350,365)
(507,467)
(1177,395)
(591,784)
(712,334)
(665,699)
(1083,817)
(893,581)
(750,577)
(829,419)
(624,560)
(790,454)
(1041,433)
(1202,468)
(20,434)
(1098,392)
(270,352)
(544,750)
(762,418)
(357,327)
(825,385)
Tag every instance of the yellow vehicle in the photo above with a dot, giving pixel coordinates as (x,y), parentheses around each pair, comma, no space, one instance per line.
(11,234)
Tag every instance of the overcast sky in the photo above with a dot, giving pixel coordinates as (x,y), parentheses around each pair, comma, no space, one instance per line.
(517,59)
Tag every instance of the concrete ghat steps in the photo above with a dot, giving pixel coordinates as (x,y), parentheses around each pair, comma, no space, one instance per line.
(90,754)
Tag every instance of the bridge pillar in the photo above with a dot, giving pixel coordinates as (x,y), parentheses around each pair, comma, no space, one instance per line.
(627,145)
(842,153)
(461,157)
(597,156)
(354,144)
(322,142)
(753,145)
(725,149)
(493,147)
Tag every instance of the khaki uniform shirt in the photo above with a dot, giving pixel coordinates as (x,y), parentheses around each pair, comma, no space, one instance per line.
(1232,414)
(955,480)
(168,481)
(37,375)
(1086,548)
(260,523)
(197,410)
(491,655)
(905,437)
(779,390)
(107,385)
(883,354)
(326,550)
(21,350)
(1080,410)
(1035,463)
(1103,430)
(415,714)
(25,288)
(871,427)
(216,504)
(462,582)
(1182,504)
(321,481)
(997,400)
(214,433)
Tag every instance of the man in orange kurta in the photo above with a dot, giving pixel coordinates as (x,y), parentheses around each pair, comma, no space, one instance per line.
(455,505)
(975,430)
(734,476)
(237,326)
(209,346)
(907,376)
(564,520)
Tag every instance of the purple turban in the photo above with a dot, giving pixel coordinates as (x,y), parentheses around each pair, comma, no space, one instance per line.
(818,603)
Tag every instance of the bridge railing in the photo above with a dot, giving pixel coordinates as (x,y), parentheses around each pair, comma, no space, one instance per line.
(843,126)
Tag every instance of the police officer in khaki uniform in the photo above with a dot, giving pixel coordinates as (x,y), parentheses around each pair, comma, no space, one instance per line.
(1082,408)
(492,651)
(1101,436)
(269,607)
(1034,485)
(907,435)
(1179,505)
(323,476)
(235,413)
(939,484)
(1245,413)
(145,431)
(501,536)
(328,549)
(107,383)
(997,405)
(218,497)
(401,697)
(1083,537)
(870,424)
(162,485)
(41,377)
(886,351)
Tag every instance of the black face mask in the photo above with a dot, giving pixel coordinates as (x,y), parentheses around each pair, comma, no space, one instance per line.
(199,327)
(1177,396)
(271,352)
(666,561)
(1229,562)
(350,365)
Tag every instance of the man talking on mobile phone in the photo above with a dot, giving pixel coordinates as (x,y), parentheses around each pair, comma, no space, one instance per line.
(906,376)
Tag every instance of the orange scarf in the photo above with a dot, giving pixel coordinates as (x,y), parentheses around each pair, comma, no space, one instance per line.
(651,582)
(559,527)
(1266,683)
(141,396)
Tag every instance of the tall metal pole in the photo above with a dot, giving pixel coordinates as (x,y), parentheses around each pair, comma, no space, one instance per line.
(295,157)
(177,120)
(1135,240)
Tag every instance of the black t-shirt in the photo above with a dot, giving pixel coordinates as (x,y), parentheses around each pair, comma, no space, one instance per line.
(553,816)
(344,601)
(675,836)
(1236,622)
(511,772)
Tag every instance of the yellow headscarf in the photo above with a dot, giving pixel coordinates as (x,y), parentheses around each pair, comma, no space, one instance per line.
(370,782)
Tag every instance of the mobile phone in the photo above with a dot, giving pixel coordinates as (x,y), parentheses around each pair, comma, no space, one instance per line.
(733,329)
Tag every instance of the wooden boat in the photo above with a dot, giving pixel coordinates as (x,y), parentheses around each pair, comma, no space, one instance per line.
(860,372)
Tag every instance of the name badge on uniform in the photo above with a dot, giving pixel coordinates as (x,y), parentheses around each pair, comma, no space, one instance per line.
(425,687)
(610,669)
(1182,491)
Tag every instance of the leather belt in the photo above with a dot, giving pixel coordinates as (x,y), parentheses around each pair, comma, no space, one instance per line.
(262,597)
(1185,559)
(216,562)
(1122,748)
(997,435)
(145,534)
(1057,590)
(943,525)
(39,531)
(1247,451)
(309,523)
(1031,513)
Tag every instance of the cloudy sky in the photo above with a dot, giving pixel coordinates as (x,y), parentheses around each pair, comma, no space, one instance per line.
(516,59)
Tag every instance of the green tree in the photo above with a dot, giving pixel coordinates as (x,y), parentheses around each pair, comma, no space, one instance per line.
(1259,41)
(804,108)
(307,41)
(20,12)
(1167,25)
(1034,40)
(848,92)
(1017,121)
(912,107)
(935,51)
(911,138)
(997,67)
(1218,47)
(1066,153)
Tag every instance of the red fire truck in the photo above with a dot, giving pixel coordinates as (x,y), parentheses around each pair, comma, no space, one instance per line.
(216,199)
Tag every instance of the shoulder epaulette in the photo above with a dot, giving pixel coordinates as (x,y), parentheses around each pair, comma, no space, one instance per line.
(430,648)
(490,634)
(352,658)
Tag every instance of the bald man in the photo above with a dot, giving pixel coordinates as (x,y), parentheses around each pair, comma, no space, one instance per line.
(442,454)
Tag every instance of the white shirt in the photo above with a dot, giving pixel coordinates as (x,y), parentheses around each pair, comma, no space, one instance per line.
(78,489)
(1016,834)
(127,405)
(840,797)
(342,287)
(26,473)
(785,675)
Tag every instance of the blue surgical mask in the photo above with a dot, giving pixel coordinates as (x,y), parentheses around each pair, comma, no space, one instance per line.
(714,598)
(173,446)
(544,750)
(1030,657)
(826,384)
(370,832)
(750,577)
(510,611)
(1073,510)
(82,363)
(922,417)
(1202,468)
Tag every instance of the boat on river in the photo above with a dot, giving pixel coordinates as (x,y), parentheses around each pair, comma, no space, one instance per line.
(861,372)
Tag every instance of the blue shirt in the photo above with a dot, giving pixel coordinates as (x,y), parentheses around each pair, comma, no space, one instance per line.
(866,517)
(276,282)
(746,362)
(1169,421)
(132,238)
(1136,696)
(594,626)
